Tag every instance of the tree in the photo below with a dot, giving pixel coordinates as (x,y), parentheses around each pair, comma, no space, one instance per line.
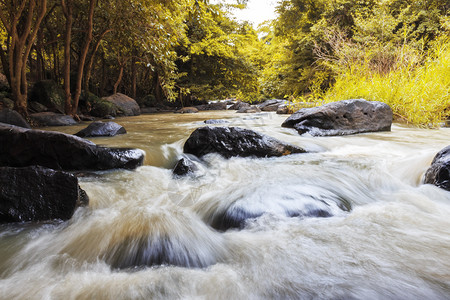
(21,19)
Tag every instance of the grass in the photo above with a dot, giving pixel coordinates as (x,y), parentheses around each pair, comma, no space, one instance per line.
(418,94)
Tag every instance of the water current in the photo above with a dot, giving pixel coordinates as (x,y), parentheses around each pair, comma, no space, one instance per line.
(394,242)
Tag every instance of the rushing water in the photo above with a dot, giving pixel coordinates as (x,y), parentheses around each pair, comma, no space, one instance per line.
(393,244)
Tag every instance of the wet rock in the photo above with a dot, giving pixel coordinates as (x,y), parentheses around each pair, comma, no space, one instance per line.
(239,105)
(216,121)
(235,141)
(52,119)
(61,151)
(100,128)
(127,106)
(38,194)
(49,94)
(184,167)
(187,110)
(165,236)
(342,118)
(439,171)
(290,200)
(12,117)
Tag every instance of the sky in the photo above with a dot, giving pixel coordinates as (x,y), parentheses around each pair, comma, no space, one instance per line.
(257,11)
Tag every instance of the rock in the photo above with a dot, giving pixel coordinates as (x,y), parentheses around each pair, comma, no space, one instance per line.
(270,105)
(283,109)
(239,105)
(153,237)
(292,199)
(103,109)
(187,110)
(126,105)
(37,107)
(184,166)
(342,118)
(4,85)
(38,194)
(50,94)
(7,103)
(214,121)
(61,151)
(86,118)
(100,128)
(52,119)
(235,141)
(12,117)
(439,171)
(249,110)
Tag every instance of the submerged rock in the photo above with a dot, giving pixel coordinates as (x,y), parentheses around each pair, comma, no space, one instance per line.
(26,147)
(100,128)
(52,119)
(439,171)
(216,121)
(12,117)
(38,194)
(138,236)
(342,118)
(290,200)
(235,141)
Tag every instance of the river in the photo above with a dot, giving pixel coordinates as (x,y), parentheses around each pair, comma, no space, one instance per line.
(394,243)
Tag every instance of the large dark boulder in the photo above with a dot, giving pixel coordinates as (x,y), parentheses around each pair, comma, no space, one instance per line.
(235,141)
(50,94)
(38,194)
(52,119)
(25,147)
(127,106)
(439,171)
(342,118)
(12,117)
(100,128)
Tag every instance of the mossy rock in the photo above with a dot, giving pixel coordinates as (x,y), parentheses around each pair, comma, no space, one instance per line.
(101,108)
(148,101)
(7,103)
(50,94)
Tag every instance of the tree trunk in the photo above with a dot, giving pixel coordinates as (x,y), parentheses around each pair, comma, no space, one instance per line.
(82,58)
(23,35)
(119,79)
(68,13)
(133,77)
(90,64)
(158,95)
(5,65)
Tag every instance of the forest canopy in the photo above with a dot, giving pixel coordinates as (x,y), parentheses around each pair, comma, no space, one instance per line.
(394,51)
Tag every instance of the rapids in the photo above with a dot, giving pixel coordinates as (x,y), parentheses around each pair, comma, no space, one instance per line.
(391,242)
